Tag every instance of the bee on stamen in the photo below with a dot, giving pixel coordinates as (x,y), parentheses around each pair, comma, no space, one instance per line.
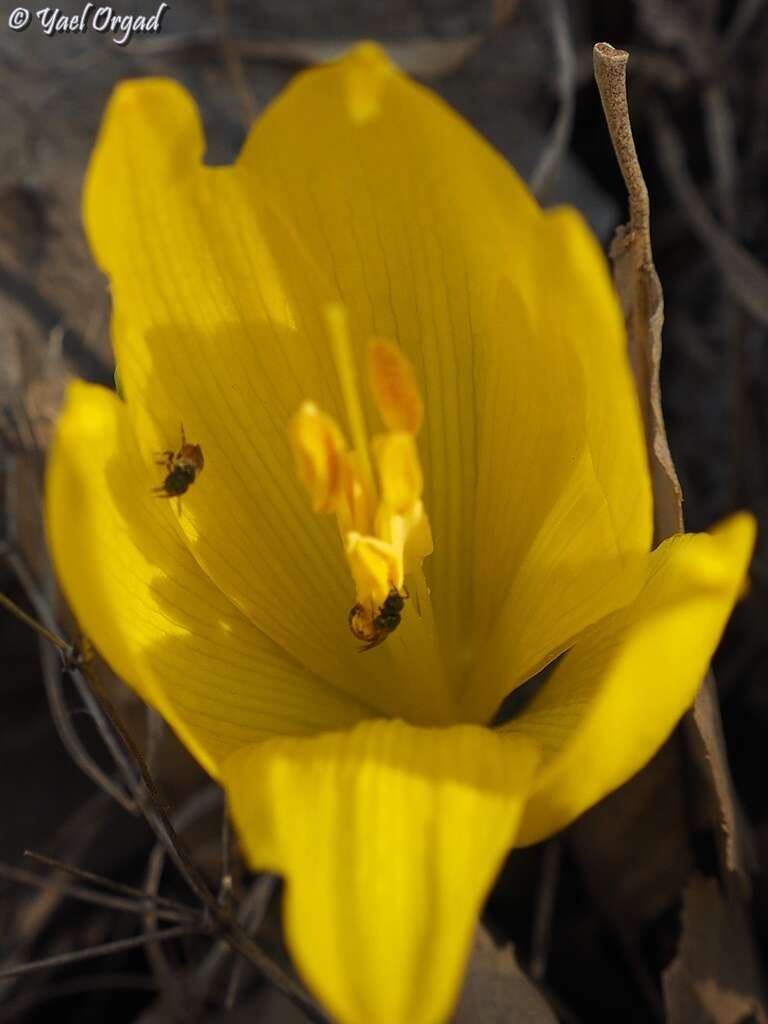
(374,631)
(183,467)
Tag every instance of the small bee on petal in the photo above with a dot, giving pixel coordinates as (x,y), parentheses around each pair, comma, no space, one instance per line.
(183,467)
(374,631)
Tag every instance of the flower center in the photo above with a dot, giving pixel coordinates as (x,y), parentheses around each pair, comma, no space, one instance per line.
(382,521)
(374,487)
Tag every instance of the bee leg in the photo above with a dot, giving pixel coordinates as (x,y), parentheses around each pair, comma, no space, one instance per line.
(163,458)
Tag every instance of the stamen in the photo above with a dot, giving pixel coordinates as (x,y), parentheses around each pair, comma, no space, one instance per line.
(393,383)
(375,568)
(400,474)
(338,330)
(382,520)
(319,451)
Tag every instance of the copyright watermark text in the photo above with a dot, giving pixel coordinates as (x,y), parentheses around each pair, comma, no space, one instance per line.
(122,27)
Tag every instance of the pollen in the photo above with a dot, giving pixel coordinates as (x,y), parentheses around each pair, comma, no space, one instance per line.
(373,486)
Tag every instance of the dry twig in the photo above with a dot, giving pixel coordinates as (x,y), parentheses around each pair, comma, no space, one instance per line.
(156,813)
(549,162)
(106,948)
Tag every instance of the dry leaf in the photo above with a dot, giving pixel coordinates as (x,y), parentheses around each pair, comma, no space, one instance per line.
(611,843)
(497,991)
(714,979)
(642,302)
(424,57)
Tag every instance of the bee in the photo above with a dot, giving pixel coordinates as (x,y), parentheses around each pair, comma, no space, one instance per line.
(385,621)
(183,467)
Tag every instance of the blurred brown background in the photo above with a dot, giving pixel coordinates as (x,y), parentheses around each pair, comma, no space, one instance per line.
(639,912)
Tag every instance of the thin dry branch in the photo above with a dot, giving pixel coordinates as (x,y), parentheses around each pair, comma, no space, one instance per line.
(545,907)
(105,949)
(106,883)
(91,895)
(639,287)
(745,278)
(641,295)
(233,62)
(551,158)
(156,813)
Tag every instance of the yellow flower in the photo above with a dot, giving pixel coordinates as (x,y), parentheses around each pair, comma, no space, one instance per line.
(368,265)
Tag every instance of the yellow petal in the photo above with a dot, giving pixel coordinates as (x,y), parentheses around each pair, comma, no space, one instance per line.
(218,324)
(564,499)
(619,692)
(389,838)
(411,217)
(361,187)
(148,607)
(207,336)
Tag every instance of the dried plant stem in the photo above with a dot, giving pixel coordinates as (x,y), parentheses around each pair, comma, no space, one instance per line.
(233,61)
(545,906)
(52,680)
(91,896)
(549,162)
(639,289)
(20,614)
(644,315)
(744,276)
(610,66)
(45,614)
(106,883)
(118,946)
(230,927)
(156,813)
(174,994)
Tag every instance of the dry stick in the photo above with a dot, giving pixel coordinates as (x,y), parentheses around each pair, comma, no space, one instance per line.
(745,14)
(88,895)
(52,680)
(13,1012)
(156,813)
(44,613)
(167,979)
(545,905)
(253,911)
(610,74)
(20,614)
(231,929)
(94,951)
(153,737)
(549,162)
(106,883)
(233,61)
(633,262)
(746,279)
(102,704)
(79,832)
(610,67)
(721,141)
(225,895)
